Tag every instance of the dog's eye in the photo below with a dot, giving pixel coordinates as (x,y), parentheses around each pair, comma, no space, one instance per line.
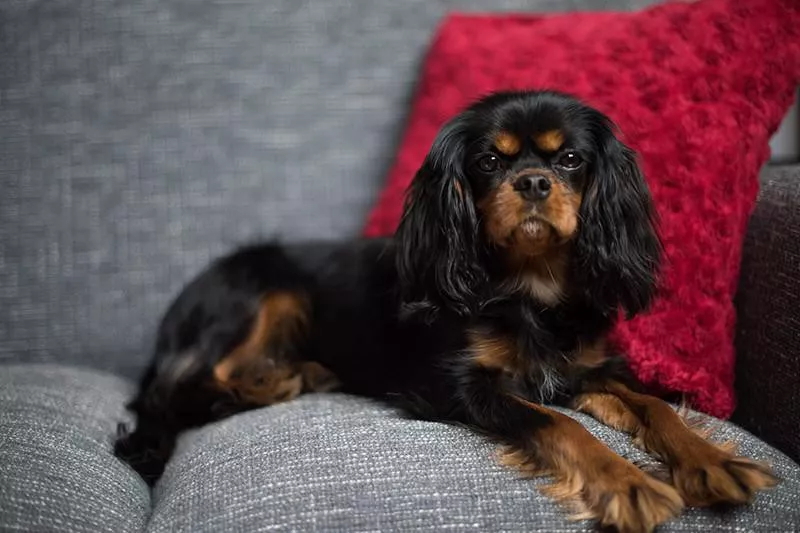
(570,161)
(488,163)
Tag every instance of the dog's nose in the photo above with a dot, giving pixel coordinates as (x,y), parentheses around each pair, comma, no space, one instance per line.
(533,187)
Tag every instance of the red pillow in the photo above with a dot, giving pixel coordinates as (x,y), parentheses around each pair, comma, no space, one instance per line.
(697,89)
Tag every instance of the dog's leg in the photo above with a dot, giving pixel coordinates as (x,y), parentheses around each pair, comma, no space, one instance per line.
(704,473)
(537,440)
(211,381)
(264,368)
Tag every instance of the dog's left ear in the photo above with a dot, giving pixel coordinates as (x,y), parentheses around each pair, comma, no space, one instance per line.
(437,240)
(618,250)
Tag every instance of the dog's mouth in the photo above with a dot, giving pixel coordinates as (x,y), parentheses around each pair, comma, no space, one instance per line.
(536,227)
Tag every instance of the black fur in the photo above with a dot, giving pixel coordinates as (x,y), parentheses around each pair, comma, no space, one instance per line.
(392,318)
(617,253)
(438,242)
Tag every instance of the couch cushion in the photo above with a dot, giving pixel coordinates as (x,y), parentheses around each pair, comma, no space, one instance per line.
(338,463)
(57,472)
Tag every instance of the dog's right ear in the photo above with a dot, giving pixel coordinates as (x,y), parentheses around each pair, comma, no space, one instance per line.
(437,239)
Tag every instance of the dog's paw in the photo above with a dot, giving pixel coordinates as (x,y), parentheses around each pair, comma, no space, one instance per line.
(718,477)
(622,497)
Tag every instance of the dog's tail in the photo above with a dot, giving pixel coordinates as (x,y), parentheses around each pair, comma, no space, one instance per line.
(146,450)
(173,396)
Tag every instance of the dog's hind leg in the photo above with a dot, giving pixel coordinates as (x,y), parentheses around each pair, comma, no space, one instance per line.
(211,380)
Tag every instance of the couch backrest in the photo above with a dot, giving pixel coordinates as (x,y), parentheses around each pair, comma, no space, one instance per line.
(141,138)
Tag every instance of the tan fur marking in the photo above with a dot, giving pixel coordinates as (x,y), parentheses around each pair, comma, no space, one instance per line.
(590,478)
(282,384)
(704,473)
(250,348)
(493,352)
(562,208)
(543,289)
(459,189)
(250,371)
(592,355)
(317,378)
(503,211)
(549,141)
(507,143)
(543,276)
(608,409)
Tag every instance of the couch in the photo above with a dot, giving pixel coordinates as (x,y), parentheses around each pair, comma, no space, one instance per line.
(139,139)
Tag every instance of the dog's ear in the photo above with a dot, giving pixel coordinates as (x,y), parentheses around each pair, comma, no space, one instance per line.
(618,251)
(437,240)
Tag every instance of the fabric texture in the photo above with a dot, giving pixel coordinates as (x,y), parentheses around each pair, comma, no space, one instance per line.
(57,472)
(768,343)
(140,139)
(697,89)
(321,463)
(337,463)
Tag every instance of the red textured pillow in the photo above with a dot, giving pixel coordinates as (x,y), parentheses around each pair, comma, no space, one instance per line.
(697,90)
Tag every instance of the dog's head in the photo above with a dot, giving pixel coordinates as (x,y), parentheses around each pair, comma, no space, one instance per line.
(528,191)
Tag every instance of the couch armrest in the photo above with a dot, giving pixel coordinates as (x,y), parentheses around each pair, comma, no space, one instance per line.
(768,305)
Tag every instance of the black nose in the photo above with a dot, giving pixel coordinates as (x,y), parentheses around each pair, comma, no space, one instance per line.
(533,187)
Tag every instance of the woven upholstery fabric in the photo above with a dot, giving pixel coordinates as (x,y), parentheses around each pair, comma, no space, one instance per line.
(768,344)
(697,89)
(331,463)
(335,463)
(57,472)
(141,138)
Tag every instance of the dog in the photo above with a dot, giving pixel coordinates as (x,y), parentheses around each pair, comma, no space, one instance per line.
(527,233)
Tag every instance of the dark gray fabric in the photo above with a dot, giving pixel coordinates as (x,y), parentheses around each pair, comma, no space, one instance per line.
(141,138)
(768,305)
(57,472)
(333,463)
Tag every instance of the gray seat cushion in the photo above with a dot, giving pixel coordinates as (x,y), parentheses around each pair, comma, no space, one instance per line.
(57,472)
(320,463)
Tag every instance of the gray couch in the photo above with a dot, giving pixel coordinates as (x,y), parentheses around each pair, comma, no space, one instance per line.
(141,138)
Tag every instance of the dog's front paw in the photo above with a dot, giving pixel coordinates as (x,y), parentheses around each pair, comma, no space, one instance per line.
(717,476)
(620,496)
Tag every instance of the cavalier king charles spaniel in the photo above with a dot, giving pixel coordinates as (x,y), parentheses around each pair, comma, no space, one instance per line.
(527,232)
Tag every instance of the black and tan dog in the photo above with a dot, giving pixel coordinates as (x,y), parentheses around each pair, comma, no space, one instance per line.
(527,230)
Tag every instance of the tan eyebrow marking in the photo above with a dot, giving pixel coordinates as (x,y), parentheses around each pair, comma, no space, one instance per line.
(549,141)
(507,143)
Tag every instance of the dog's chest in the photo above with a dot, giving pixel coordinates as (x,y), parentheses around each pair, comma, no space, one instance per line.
(535,346)
(542,288)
